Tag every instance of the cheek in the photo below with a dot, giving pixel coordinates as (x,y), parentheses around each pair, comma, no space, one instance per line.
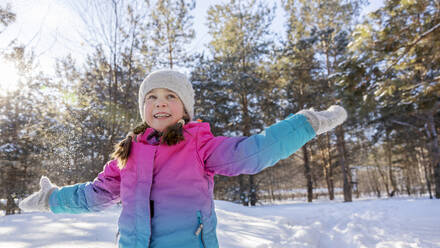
(178,108)
(147,111)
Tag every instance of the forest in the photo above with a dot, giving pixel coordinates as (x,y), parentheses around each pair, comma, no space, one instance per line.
(383,68)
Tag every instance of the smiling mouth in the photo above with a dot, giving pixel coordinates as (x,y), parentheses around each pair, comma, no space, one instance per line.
(161,115)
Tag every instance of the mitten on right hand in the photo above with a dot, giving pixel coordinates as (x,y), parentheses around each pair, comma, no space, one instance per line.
(39,201)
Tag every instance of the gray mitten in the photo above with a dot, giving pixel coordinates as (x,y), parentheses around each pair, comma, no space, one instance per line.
(39,201)
(324,121)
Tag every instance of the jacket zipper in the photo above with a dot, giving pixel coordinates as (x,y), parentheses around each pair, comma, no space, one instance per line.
(149,239)
(199,230)
(117,237)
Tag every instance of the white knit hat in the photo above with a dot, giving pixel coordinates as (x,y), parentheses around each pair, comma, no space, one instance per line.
(172,80)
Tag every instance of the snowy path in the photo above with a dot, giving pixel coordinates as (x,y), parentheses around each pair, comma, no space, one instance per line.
(386,223)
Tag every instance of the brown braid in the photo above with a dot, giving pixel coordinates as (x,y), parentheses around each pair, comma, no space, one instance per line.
(174,134)
(122,149)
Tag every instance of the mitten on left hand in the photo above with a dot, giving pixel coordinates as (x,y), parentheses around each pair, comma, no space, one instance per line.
(324,121)
(39,201)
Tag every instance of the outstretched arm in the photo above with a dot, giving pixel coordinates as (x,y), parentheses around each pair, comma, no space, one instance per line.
(84,197)
(94,196)
(249,155)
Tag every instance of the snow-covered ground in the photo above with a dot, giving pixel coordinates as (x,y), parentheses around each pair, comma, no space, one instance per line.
(380,223)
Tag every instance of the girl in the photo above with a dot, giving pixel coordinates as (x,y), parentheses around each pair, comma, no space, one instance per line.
(163,172)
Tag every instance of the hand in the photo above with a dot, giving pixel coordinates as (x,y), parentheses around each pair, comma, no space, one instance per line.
(39,201)
(324,121)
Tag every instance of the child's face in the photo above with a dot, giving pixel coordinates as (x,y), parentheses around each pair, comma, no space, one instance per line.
(162,108)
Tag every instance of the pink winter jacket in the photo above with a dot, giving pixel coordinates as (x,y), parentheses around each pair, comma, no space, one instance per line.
(167,191)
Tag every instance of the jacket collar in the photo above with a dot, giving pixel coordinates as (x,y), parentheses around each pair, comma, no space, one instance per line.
(190,127)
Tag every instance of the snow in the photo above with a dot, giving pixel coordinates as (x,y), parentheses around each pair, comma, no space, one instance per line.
(382,223)
(8,148)
(300,191)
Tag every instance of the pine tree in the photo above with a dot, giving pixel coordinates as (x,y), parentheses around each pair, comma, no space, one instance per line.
(22,129)
(325,25)
(401,69)
(239,45)
(171,26)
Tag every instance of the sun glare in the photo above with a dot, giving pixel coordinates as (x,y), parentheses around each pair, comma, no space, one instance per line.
(9,76)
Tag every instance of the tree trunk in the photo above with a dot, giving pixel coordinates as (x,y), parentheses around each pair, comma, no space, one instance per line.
(428,179)
(345,168)
(307,173)
(329,179)
(390,166)
(427,172)
(374,182)
(271,187)
(327,168)
(253,197)
(384,178)
(10,205)
(435,151)
(243,194)
(252,194)
(407,176)
(252,191)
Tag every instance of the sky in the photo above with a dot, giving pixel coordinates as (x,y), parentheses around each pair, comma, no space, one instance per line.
(51,29)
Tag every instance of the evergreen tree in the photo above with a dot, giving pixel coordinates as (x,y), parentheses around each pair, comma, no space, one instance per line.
(401,69)
(23,121)
(239,46)
(171,26)
(323,26)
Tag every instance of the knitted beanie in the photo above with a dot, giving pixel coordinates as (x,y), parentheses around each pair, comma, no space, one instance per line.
(172,80)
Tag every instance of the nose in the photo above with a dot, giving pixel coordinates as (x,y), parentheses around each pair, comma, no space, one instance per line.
(161,103)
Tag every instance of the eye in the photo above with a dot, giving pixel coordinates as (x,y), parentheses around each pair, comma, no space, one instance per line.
(151,97)
(171,96)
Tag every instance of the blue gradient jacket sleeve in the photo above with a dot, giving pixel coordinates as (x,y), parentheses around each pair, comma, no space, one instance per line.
(249,155)
(94,196)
